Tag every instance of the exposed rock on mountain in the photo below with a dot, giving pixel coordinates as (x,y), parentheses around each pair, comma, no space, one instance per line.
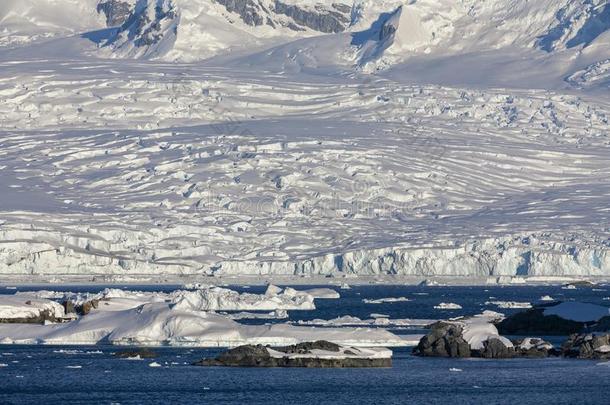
(117,12)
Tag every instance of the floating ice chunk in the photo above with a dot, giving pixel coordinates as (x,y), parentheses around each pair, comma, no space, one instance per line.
(382,321)
(154,364)
(277,314)
(447,305)
(222,299)
(456,370)
(322,293)
(74,367)
(547,298)
(510,304)
(385,300)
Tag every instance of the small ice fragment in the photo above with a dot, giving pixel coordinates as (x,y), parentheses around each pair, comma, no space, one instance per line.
(447,305)
(154,364)
(385,300)
(455,369)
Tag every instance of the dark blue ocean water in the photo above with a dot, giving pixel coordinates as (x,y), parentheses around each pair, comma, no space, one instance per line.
(47,375)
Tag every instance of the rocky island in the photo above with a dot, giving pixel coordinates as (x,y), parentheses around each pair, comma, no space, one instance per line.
(318,354)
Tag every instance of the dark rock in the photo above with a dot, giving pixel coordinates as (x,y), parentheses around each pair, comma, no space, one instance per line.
(69,307)
(248,10)
(603,325)
(494,348)
(534,322)
(259,356)
(116,12)
(327,20)
(582,283)
(587,346)
(87,307)
(444,340)
(323,20)
(307,347)
(143,353)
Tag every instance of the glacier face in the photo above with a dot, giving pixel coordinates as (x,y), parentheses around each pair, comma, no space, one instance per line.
(282,156)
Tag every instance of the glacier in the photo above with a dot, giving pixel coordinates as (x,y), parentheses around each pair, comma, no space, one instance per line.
(176,140)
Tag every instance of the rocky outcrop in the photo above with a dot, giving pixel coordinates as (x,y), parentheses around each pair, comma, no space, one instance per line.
(587,346)
(444,340)
(494,348)
(42,317)
(248,10)
(321,19)
(327,355)
(534,347)
(318,18)
(534,322)
(81,309)
(116,11)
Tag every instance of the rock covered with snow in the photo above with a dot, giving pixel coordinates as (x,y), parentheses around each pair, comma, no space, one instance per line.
(319,354)
(470,337)
(24,309)
(533,347)
(587,346)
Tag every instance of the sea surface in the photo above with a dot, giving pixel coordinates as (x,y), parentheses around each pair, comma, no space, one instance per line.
(91,374)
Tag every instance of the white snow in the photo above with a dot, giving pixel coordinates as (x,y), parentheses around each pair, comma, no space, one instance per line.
(480,328)
(578,311)
(547,298)
(477,147)
(180,319)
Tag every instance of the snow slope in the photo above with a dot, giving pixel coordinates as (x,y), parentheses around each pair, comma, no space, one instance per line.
(477,146)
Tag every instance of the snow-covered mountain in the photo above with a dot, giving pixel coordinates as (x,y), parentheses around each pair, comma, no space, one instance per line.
(300,137)
(369,31)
